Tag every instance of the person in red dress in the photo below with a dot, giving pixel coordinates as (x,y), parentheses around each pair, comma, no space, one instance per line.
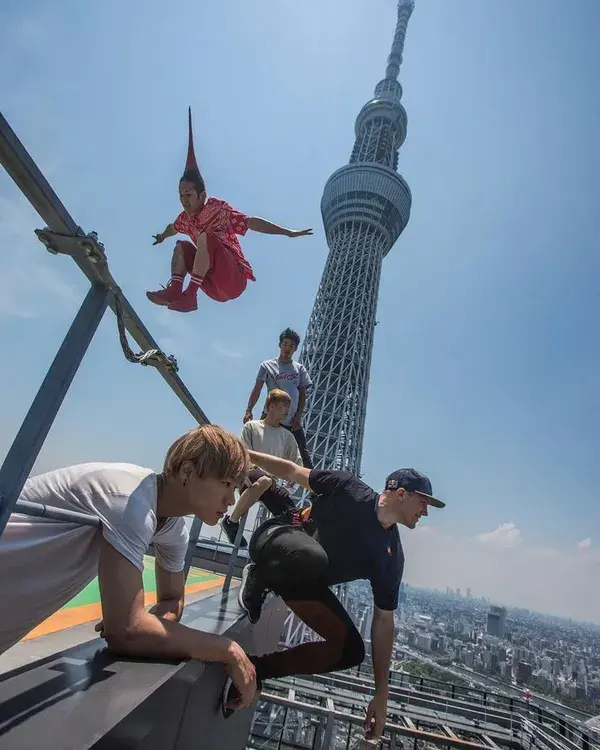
(214,259)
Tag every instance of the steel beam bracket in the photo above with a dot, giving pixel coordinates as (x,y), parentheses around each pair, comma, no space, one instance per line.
(71,244)
(156,358)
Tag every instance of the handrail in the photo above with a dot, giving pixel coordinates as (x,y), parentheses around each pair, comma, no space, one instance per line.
(407,731)
(57,514)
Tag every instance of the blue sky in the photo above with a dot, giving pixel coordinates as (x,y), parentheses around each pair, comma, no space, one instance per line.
(487,349)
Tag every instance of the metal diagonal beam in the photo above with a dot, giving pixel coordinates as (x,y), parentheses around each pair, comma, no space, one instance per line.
(32,183)
(34,186)
(27,444)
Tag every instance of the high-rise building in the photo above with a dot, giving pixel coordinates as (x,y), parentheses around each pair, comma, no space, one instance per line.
(496,621)
(524,672)
(365,207)
(402,594)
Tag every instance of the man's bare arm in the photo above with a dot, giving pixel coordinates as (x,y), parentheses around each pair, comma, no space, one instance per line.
(129,629)
(281,468)
(382,644)
(170,594)
(170,231)
(256,224)
(254,396)
(383,632)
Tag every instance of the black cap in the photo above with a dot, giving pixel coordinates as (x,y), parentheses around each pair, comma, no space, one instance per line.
(413,481)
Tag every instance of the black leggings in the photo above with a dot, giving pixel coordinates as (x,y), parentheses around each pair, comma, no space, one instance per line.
(293,565)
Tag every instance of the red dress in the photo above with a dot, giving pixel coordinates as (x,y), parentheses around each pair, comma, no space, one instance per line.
(229,270)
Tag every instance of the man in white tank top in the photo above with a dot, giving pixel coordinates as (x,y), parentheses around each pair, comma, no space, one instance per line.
(44,563)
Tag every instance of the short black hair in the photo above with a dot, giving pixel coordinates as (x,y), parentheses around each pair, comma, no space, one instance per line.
(291,335)
(191,175)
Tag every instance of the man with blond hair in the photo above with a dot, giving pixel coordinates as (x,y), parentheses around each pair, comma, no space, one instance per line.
(266,435)
(45,562)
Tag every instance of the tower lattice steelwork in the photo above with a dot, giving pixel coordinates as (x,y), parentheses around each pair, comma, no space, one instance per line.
(365,207)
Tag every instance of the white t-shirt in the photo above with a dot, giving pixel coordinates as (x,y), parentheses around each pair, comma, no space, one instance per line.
(289,376)
(275,441)
(44,563)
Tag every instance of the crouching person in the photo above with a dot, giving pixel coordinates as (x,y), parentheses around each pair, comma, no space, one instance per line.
(44,563)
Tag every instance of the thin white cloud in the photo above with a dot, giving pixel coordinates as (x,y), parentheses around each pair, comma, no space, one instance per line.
(506,535)
(543,552)
(174,330)
(31,282)
(225,352)
(176,334)
(538,578)
(26,290)
(28,30)
(584,544)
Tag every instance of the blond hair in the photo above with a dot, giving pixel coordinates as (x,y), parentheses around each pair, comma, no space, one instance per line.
(214,452)
(278,396)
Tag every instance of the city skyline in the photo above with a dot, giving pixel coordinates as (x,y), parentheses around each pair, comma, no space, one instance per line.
(505,605)
(557,657)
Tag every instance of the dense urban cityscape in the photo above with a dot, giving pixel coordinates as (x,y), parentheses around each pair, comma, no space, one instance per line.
(471,637)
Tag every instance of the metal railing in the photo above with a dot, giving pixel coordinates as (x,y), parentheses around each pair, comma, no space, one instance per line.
(544,721)
(62,235)
(420,711)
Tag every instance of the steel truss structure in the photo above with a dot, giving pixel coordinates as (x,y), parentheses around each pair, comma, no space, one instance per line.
(326,712)
(365,207)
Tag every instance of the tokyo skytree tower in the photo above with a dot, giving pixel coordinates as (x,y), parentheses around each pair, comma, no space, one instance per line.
(365,207)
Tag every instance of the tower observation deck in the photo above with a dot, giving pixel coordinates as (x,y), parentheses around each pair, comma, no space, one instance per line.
(365,207)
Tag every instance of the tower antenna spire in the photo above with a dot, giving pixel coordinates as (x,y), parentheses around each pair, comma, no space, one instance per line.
(405,9)
(365,207)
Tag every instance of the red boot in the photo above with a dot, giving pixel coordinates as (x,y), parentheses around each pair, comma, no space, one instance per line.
(185,302)
(165,296)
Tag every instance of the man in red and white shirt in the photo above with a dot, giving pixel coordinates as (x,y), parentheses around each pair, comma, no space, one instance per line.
(214,258)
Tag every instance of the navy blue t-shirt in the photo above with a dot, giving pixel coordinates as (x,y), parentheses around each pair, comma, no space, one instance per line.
(358,547)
